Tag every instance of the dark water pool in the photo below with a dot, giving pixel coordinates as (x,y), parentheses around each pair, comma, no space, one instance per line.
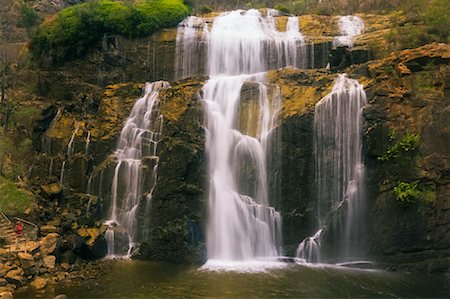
(135,279)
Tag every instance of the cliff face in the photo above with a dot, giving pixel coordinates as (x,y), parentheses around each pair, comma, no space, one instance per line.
(86,103)
(409,95)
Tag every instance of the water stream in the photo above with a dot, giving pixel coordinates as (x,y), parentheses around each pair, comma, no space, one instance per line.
(339,172)
(138,140)
(243,229)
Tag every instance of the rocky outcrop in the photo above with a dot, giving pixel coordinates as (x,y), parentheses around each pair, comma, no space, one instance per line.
(177,215)
(409,95)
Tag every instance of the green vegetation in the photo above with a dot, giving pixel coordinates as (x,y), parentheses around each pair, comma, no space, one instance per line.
(13,201)
(408,193)
(282,8)
(75,29)
(205,9)
(28,18)
(406,146)
(426,22)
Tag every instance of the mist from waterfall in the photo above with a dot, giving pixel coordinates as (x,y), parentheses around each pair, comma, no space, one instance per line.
(339,173)
(138,141)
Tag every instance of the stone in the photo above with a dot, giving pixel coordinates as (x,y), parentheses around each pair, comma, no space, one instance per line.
(23,256)
(65,266)
(403,69)
(52,190)
(3,270)
(49,261)
(60,296)
(39,283)
(3,282)
(6,295)
(45,229)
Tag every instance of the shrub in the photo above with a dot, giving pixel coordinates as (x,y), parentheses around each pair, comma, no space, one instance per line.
(281,8)
(13,201)
(205,9)
(406,146)
(73,30)
(407,193)
(28,17)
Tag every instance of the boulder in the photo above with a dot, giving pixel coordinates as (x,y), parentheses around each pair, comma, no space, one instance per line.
(46,229)
(49,261)
(53,190)
(6,295)
(39,283)
(3,270)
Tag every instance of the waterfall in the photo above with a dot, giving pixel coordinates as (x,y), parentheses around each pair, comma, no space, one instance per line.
(88,141)
(191,36)
(138,140)
(69,153)
(339,170)
(349,27)
(242,226)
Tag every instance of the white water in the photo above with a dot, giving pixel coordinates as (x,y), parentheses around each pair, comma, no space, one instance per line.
(349,27)
(138,140)
(88,141)
(69,153)
(339,170)
(243,231)
(192,34)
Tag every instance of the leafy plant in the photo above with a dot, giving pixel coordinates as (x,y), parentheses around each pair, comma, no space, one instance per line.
(406,145)
(407,193)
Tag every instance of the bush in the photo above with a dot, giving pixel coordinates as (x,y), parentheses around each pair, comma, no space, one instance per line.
(28,17)
(75,29)
(281,8)
(205,9)
(13,201)
(407,193)
(407,145)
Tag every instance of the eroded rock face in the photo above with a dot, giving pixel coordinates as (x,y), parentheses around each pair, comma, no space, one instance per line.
(409,94)
(177,217)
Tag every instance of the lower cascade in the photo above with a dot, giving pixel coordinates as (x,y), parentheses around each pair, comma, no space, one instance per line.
(339,174)
(137,142)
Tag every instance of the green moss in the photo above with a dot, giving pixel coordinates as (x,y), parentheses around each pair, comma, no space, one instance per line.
(75,29)
(13,201)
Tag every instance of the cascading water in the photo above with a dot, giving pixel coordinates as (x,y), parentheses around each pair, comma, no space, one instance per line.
(242,227)
(70,150)
(339,170)
(349,27)
(191,36)
(138,140)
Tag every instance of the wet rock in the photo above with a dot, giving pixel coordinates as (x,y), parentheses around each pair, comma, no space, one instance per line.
(60,296)
(3,282)
(49,261)
(46,229)
(3,270)
(53,190)
(39,283)
(6,295)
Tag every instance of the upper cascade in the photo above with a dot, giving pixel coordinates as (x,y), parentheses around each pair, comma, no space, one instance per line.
(240,42)
(349,27)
